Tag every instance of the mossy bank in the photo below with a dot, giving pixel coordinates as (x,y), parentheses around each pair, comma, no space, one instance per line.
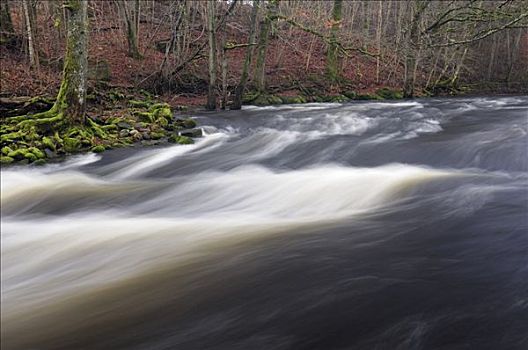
(29,140)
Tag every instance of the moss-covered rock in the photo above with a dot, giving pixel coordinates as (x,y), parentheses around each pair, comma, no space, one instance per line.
(163,122)
(48,142)
(293,99)
(71,144)
(265,100)
(30,156)
(182,140)
(139,104)
(6,160)
(191,133)
(6,150)
(18,154)
(145,117)
(365,97)
(155,135)
(389,94)
(98,149)
(39,162)
(350,94)
(189,123)
(37,152)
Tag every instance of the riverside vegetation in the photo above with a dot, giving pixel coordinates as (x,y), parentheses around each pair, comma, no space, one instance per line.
(126,121)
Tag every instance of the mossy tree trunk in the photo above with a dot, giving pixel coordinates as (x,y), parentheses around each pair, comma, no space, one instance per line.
(332,55)
(71,99)
(265,27)
(239,91)
(211,29)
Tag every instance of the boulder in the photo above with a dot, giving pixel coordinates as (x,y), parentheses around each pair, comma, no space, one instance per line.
(191,133)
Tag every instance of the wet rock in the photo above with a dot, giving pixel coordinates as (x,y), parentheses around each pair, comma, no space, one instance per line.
(185,123)
(6,160)
(191,133)
(49,153)
(137,136)
(98,149)
(71,144)
(123,133)
(48,142)
(39,162)
(6,150)
(156,135)
(133,132)
(182,140)
(124,125)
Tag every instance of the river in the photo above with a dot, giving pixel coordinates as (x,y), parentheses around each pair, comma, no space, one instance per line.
(367,225)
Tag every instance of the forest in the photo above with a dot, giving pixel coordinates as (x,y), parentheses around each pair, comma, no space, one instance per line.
(97,63)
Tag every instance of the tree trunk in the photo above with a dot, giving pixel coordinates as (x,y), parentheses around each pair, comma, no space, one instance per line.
(71,100)
(6,24)
(333,50)
(239,91)
(131,28)
(411,48)
(260,67)
(211,94)
(30,30)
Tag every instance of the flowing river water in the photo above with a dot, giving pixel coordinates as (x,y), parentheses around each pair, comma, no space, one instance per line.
(375,225)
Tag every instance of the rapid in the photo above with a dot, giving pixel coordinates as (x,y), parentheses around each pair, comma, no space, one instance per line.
(366,225)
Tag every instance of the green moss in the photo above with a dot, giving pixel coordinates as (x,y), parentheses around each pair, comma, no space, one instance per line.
(39,162)
(350,94)
(389,94)
(337,98)
(48,142)
(109,127)
(71,144)
(293,99)
(155,106)
(31,157)
(156,135)
(189,123)
(364,97)
(139,104)
(145,117)
(98,149)
(19,153)
(162,122)
(182,140)
(6,160)
(38,153)
(6,150)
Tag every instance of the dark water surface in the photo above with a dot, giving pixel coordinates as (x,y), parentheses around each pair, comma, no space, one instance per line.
(377,225)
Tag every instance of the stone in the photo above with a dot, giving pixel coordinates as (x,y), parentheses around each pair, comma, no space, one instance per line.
(49,153)
(6,150)
(98,149)
(71,144)
(191,133)
(124,125)
(182,140)
(6,160)
(123,133)
(39,162)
